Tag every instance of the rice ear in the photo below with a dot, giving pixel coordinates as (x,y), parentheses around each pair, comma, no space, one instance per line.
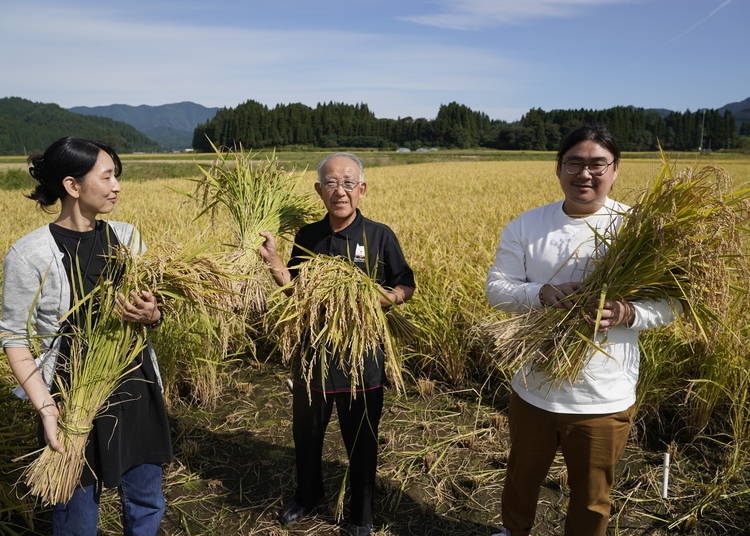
(334,312)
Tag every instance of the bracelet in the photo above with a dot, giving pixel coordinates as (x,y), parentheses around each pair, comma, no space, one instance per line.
(50,404)
(630,314)
(156,323)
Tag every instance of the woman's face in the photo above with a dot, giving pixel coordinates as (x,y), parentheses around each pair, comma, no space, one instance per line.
(98,189)
(586,190)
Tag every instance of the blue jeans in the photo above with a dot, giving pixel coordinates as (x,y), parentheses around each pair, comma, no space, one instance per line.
(142,505)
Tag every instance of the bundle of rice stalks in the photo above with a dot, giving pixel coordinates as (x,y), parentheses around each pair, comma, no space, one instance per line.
(197,292)
(681,241)
(335,313)
(103,351)
(258,195)
(181,274)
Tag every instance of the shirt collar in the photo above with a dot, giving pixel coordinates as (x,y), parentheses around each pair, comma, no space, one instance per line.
(352,231)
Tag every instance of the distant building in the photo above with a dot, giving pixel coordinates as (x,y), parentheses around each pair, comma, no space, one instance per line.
(403,150)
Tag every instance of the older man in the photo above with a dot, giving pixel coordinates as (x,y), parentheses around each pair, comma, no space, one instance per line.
(372,247)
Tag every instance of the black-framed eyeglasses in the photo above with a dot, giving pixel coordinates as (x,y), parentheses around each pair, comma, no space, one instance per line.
(331,184)
(596,169)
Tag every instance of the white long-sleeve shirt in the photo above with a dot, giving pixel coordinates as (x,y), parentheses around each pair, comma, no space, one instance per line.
(545,245)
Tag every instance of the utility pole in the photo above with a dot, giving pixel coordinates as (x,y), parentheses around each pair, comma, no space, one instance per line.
(703,123)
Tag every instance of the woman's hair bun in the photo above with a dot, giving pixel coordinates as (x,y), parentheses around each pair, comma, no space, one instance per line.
(37,167)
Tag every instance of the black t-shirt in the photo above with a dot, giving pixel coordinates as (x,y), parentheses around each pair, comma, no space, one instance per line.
(373,248)
(132,428)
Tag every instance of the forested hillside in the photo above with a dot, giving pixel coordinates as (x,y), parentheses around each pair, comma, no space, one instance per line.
(253,124)
(27,127)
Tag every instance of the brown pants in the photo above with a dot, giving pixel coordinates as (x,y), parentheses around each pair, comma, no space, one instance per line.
(591,446)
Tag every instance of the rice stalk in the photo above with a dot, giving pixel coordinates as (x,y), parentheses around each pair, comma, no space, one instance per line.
(181,274)
(197,291)
(335,315)
(102,353)
(680,241)
(443,313)
(104,349)
(258,195)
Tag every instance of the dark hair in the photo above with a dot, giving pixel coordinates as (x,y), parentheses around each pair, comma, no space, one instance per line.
(596,133)
(67,157)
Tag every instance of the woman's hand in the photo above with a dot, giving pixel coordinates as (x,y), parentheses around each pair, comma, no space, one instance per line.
(30,377)
(559,296)
(141,307)
(49,415)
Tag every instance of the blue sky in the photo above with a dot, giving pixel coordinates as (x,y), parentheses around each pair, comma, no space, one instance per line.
(400,57)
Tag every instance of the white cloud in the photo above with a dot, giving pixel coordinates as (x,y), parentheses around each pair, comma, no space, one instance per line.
(475,14)
(713,12)
(93,59)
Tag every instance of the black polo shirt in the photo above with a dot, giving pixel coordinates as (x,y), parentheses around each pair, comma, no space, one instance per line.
(373,248)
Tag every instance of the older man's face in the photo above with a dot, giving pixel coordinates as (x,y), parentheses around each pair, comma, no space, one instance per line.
(338,172)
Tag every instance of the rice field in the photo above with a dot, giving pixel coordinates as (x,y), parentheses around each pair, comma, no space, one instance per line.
(444,444)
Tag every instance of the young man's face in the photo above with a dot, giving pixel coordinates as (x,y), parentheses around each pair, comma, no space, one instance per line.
(586,190)
(339,174)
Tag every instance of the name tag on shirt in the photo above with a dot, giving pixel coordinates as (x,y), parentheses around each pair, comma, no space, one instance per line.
(359,253)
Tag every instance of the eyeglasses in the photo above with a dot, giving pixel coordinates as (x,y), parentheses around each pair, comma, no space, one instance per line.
(332,184)
(596,169)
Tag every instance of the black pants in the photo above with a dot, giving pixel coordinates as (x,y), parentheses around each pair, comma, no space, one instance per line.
(359,418)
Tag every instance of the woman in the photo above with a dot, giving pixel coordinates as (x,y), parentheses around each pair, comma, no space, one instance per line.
(542,259)
(44,270)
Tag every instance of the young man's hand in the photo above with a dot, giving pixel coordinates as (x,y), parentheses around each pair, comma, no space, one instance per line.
(559,296)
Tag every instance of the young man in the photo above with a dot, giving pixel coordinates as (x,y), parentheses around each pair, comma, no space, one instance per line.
(541,260)
(372,247)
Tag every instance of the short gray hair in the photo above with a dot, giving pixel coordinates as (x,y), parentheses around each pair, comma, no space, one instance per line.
(353,157)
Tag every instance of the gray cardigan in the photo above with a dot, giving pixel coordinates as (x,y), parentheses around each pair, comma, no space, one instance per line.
(36,294)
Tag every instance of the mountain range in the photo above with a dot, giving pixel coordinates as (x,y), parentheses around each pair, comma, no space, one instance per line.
(171,125)
(741,110)
(27,127)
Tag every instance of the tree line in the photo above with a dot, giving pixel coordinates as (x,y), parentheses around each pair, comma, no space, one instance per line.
(335,124)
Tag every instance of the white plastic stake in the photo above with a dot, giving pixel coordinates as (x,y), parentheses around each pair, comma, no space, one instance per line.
(665,477)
